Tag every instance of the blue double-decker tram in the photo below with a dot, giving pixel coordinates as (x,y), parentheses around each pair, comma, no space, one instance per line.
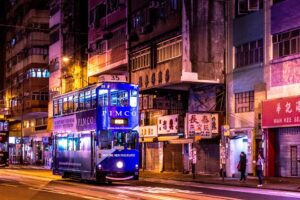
(4,138)
(96,133)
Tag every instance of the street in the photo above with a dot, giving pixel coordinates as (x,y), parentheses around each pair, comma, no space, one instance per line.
(24,184)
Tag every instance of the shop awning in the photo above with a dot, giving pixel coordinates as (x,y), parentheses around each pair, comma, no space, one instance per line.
(147,139)
(181,141)
(167,138)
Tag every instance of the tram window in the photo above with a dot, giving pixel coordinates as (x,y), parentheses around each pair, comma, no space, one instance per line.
(62,143)
(76,103)
(103,97)
(105,141)
(85,143)
(132,140)
(87,100)
(119,139)
(71,104)
(60,106)
(94,98)
(65,105)
(81,100)
(118,98)
(76,143)
(133,98)
(55,108)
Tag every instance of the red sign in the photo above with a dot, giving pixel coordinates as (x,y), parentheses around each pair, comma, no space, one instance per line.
(282,112)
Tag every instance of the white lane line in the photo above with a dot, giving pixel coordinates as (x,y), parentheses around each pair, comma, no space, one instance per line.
(8,185)
(268,192)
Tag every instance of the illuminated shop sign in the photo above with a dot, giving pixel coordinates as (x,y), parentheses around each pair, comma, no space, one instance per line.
(282,112)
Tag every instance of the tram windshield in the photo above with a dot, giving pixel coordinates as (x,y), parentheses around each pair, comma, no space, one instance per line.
(118,139)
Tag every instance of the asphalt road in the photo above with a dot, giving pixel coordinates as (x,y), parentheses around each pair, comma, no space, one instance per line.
(22,184)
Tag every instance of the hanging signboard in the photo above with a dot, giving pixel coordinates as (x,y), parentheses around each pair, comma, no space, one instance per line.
(168,124)
(199,125)
(148,131)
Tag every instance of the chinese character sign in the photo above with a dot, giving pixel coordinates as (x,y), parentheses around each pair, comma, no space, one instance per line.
(199,125)
(168,124)
(148,131)
(281,112)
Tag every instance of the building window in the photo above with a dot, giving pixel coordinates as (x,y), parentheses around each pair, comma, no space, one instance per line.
(247,6)
(169,49)
(37,73)
(244,102)
(287,43)
(140,60)
(249,53)
(54,37)
(118,39)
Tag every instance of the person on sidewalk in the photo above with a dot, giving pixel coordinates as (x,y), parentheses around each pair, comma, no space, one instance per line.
(259,169)
(242,166)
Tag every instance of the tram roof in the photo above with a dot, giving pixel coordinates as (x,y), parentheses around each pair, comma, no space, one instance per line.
(93,86)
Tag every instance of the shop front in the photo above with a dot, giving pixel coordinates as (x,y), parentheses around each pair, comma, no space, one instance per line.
(169,128)
(150,149)
(240,140)
(204,129)
(281,124)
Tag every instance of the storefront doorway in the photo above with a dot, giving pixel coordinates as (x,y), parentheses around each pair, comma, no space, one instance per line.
(238,144)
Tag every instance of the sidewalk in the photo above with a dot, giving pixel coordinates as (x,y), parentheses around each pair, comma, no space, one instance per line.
(274,183)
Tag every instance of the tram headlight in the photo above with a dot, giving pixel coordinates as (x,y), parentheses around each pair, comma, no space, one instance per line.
(99,166)
(120,164)
(136,166)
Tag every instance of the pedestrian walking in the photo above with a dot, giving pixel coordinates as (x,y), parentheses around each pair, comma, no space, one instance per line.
(242,166)
(259,169)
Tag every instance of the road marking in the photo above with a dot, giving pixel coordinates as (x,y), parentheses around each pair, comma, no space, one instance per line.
(9,185)
(268,192)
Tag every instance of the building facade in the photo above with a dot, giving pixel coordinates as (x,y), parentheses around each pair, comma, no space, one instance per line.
(67,50)
(262,86)
(177,59)
(26,79)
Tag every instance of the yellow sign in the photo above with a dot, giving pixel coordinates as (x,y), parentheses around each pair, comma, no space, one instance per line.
(197,138)
(226,130)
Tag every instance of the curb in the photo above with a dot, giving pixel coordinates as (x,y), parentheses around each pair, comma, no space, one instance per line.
(221,182)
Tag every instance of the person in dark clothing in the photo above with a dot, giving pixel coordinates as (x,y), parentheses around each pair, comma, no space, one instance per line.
(242,166)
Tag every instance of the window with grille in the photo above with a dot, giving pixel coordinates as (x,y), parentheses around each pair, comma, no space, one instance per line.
(140,59)
(286,43)
(244,102)
(249,53)
(169,49)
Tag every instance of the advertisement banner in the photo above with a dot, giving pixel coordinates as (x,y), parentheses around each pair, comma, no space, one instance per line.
(65,124)
(199,125)
(86,120)
(282,112)
(168,124)
(148,131)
